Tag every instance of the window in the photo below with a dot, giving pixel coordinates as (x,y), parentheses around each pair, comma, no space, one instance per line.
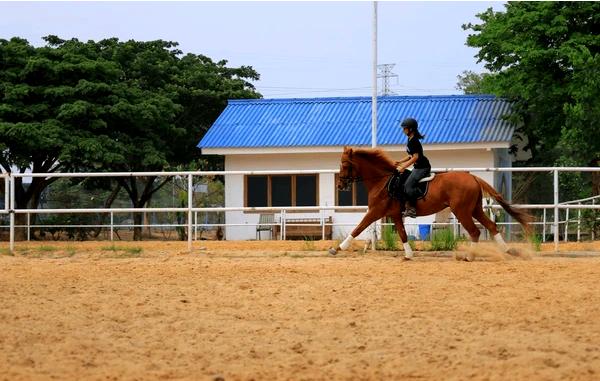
(357,195)
(281,190)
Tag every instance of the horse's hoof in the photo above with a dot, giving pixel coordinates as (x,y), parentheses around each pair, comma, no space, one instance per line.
(407,258)
(332,251)
(513,252)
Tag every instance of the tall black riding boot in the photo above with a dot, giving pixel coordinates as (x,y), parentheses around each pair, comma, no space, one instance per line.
(410,210)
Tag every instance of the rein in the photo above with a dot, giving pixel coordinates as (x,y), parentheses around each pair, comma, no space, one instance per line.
(354,179)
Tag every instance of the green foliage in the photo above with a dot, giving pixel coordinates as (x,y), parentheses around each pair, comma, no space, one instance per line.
(536,242)
(109,106)
(309,244)
(470,82)
(444,240)
(124,252)
(590,220)
(545,57)
(390,237)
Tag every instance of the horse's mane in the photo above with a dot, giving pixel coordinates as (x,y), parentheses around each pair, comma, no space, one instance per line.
(376,156)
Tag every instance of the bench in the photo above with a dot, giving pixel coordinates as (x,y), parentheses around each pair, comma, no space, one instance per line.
(305,228)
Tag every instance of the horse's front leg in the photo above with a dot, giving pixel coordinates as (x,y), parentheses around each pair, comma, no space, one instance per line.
(408,253)
(371,216)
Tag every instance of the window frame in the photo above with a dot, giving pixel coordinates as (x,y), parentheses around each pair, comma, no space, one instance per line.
(293,195)
(354,186)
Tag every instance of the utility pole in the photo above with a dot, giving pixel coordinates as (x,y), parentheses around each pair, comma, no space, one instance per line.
(385,72)
(374,109)
(374,96)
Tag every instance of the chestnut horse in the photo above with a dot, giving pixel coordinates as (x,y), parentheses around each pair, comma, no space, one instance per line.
(461,191)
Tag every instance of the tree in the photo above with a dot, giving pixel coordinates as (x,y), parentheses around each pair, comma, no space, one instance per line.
(545,58)
(108,106)
(470,82)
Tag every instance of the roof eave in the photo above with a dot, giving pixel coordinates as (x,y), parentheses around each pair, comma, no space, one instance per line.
(337,149)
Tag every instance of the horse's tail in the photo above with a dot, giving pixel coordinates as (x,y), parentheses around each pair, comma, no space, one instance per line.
(522,216)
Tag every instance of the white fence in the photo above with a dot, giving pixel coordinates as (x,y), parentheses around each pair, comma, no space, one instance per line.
(11,210)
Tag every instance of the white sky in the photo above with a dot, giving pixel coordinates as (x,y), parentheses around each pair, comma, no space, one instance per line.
(300,49)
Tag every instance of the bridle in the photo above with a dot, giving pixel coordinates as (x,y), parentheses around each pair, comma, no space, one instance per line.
(350,178)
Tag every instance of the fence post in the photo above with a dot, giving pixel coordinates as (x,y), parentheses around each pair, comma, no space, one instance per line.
(544,227)
(566,239)
(579,223)
(12,213)
(190,200)
(28,227)
(322,224)
(593,203)
(283,224)
(7,192)
(195,226)
(112,228)
(555,209)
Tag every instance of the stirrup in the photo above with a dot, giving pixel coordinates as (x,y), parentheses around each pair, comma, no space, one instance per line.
(410,212)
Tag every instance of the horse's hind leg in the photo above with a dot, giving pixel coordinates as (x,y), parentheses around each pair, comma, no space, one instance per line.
(491,226)
(408,253)
(466,220)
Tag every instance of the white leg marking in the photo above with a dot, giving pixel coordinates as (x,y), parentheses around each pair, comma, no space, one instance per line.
(500,242)
(408,253)
(346,244)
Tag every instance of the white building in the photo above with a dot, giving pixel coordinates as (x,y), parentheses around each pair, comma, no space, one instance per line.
(309,134)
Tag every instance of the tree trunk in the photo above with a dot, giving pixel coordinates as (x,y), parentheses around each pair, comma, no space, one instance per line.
(137,230)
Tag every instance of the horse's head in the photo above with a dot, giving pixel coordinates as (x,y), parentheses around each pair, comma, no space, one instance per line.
(347,171)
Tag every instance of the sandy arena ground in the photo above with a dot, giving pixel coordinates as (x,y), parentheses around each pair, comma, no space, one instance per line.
(287,311)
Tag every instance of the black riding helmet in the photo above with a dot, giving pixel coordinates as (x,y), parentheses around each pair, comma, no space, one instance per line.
(410,123)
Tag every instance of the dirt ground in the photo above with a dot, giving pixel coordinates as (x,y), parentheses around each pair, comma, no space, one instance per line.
(288,311)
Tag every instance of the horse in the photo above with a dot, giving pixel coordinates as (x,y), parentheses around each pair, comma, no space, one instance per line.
(461,191)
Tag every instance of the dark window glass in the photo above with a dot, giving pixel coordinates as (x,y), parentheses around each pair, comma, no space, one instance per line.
(257,191)
(362,195)
(281,191)
(306,190)
(345,198)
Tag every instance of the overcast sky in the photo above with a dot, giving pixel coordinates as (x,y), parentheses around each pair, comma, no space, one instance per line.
(300,49)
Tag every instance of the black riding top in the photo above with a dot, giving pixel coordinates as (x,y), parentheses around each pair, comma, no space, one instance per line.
(414,146)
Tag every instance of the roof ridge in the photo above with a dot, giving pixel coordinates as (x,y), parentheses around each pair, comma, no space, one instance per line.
(366,98)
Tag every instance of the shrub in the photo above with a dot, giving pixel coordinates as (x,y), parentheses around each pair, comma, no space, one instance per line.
(444,240)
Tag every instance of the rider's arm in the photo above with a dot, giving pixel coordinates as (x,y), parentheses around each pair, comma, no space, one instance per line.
(403,160)
(408,161)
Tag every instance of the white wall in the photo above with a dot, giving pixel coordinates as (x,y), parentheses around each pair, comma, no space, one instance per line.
(234,185)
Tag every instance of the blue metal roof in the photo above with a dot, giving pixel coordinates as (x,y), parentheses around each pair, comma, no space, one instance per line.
(302,122)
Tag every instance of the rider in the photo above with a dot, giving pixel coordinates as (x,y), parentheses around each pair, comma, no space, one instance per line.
(422,168)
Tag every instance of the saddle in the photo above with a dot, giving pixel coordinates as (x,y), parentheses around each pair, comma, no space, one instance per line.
(395,185)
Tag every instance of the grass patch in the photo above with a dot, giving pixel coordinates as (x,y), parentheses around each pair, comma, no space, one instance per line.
(46,249)
(70,251)
(536,242)
(389,238)
(6,252)
(124,252)
(308,244)
(444,240)
(25,250)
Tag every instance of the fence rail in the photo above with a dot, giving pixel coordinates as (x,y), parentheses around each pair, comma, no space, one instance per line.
(9,206)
